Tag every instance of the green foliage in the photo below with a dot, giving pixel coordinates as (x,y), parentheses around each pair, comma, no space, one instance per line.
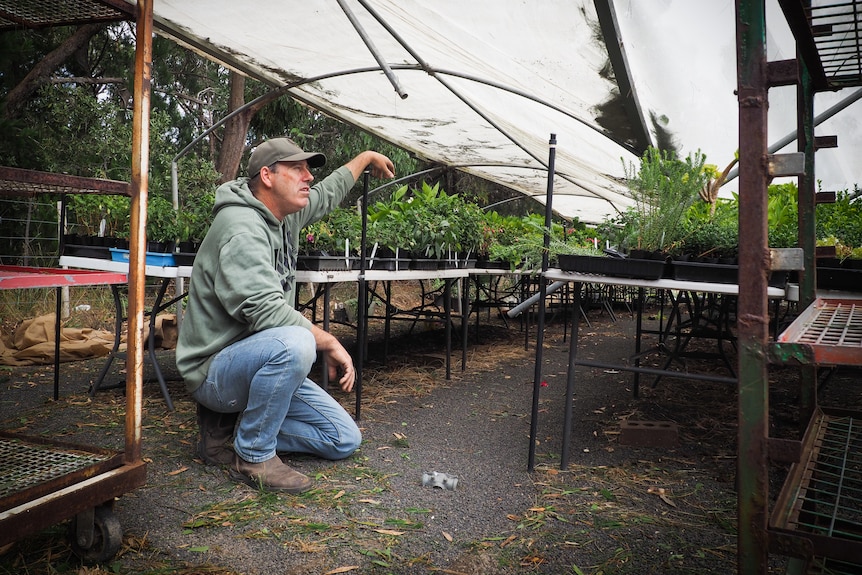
(842,219)
(663,187)
(520,241)
(390,223)
(426,218)
(711,236)
(162,225)
(86,212)
(783,209)
(196,185)
(329,235)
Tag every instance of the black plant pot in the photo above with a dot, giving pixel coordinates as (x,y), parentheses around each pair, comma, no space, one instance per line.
(161,247)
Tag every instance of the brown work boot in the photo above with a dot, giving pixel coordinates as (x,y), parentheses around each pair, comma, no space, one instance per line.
(270,475)
(216,429)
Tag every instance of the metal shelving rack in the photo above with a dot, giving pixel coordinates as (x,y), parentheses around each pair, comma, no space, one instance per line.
(44,482)
(816,519)
(819,509)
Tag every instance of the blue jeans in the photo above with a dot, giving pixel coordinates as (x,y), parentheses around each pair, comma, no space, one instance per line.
(264,376)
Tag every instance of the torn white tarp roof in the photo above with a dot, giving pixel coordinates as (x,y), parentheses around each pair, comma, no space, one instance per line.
(487,83)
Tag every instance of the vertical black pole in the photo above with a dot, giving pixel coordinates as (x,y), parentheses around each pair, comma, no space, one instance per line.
(540,335)
(362,300)
(57,332)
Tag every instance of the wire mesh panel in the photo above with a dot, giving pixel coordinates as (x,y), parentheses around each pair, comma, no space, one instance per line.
(832,328)
(832,503)
(25,465)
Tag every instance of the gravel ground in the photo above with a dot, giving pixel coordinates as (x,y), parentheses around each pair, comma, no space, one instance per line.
(614,509)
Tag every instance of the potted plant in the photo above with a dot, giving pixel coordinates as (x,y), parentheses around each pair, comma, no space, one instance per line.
(663,188)
(162,225)
(390,232)
(97,222)
(520,242)
(332,242)
(193,220)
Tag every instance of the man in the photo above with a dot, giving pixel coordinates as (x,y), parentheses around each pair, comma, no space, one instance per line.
(243,349)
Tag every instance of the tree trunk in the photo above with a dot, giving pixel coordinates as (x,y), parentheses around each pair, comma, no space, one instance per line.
(235,129)
(19,95)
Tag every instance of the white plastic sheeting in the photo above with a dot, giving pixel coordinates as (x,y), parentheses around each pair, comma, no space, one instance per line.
(488,82)
(683,60)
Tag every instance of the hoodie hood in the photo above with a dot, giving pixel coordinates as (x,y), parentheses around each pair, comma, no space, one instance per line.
(237,193)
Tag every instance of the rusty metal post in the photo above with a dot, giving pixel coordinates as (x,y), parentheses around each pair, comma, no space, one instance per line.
(137,237)
(806,231)
(754,264)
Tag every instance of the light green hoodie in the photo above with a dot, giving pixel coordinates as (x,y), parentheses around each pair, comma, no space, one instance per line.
(244,272)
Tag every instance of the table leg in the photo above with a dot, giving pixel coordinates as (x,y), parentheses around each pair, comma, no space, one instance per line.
(151,340)
(57,332)
(570,383)
(465,317)
(447,311)
(638,336)
(118,328)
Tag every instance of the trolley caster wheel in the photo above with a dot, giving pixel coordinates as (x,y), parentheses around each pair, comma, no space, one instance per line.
(95,535)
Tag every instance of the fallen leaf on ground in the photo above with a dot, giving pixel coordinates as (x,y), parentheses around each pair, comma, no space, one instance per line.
(662,494)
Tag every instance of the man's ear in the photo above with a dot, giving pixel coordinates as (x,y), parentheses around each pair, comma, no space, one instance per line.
(266,176)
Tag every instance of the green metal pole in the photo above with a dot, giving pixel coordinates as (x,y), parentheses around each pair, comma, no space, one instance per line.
(806,231)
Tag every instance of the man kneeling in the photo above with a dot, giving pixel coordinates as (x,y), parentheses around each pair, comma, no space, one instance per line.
(244,351)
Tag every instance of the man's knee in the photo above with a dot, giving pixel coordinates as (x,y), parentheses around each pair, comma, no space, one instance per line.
(299,345)
(351,438)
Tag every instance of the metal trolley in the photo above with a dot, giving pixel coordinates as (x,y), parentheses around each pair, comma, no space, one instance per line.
(45,482)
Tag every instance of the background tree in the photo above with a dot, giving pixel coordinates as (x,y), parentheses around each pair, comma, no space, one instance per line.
(65,106)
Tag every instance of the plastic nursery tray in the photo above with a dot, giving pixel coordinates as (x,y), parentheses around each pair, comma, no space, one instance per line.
(152,258)
(839,279)
(96,252)
(323,263)
(185,258)
(705,272)
(615,267)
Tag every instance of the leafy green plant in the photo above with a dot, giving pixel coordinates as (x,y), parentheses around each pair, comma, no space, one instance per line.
(842,219)
(342,227)
(711,230)
(663,187)
(390,223)
(87,211)
(521,242)
(162,225)
(197,183)
(426,218)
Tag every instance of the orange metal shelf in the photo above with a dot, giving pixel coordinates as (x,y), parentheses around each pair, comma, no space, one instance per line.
(830,329)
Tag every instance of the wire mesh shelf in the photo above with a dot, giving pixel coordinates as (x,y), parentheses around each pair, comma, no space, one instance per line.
(831,329)
(821,500)
(30,467)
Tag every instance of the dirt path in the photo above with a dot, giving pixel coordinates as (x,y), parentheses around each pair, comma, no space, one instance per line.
(615,509)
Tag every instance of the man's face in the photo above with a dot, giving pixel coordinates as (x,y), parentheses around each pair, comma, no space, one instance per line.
(291,185)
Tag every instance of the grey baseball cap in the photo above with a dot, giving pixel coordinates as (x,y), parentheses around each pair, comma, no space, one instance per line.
(281,150)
